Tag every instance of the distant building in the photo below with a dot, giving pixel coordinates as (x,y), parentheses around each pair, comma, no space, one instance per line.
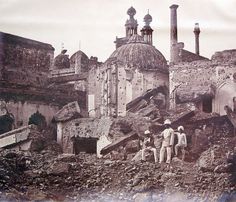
(208,84)
(133,68)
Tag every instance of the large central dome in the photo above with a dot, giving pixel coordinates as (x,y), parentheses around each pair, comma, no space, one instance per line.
(137,54)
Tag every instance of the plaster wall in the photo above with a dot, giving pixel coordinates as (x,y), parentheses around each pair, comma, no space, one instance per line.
(145,80)
(22,111)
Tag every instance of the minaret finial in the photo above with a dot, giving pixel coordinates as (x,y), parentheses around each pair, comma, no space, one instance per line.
(131,24)
(147,30)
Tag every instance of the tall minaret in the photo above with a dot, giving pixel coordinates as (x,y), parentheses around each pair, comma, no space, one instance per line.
(147,30)
(173,32)
(196,32)
(131,24)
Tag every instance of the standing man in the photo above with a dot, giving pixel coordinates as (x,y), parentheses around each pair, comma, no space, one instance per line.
(167,142)
(182,142)
(148,145)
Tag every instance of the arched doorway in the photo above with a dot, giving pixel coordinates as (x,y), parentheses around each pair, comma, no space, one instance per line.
(6,123)
(6,118)
(39,120)
(224,96)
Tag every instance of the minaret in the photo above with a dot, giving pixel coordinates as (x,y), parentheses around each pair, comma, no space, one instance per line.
(147,30)
(173,32)
(131,24)
(196,32)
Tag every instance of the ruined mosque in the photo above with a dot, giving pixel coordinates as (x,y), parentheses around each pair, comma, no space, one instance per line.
(35,86)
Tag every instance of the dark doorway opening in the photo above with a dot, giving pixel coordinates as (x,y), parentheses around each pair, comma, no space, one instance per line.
(87,145)
(6,123)
(207,104)
(39,120)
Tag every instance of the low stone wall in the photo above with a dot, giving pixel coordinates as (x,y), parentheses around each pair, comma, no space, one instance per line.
(83,128)
(17,137)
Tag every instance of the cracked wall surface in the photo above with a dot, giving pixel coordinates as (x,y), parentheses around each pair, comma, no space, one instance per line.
(190,82)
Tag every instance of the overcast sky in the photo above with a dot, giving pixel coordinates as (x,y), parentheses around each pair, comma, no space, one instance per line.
(92,25)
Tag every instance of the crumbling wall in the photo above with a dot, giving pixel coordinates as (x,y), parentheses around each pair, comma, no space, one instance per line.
(190,82)
(25,83)
(113,85)
(106,89)
(146,80)
(21,53)
(226,57)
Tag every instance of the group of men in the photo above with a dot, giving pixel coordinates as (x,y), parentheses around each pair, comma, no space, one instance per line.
(167,145)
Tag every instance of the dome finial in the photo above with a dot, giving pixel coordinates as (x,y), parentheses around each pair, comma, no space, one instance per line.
(131,12)
(131,24)
(147,19)
(147,30)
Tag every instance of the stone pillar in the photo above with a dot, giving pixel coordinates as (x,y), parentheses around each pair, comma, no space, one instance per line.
(196,31)
(173,31)
(121,92)
(59,133)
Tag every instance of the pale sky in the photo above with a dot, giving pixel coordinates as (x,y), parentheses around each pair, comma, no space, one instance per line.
(92,25)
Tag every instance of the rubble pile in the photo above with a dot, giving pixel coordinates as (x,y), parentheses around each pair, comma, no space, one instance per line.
(44,176)
(207,174)
(12,166)
(151,104)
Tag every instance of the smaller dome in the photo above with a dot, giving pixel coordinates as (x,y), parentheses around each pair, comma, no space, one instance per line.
(79,58)
(62,61)
(80,54)
(131,11)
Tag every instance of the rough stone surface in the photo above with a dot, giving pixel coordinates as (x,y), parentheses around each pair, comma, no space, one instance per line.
(206,79)
(21,53)
(226,56)
(62,61)
(69,111)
